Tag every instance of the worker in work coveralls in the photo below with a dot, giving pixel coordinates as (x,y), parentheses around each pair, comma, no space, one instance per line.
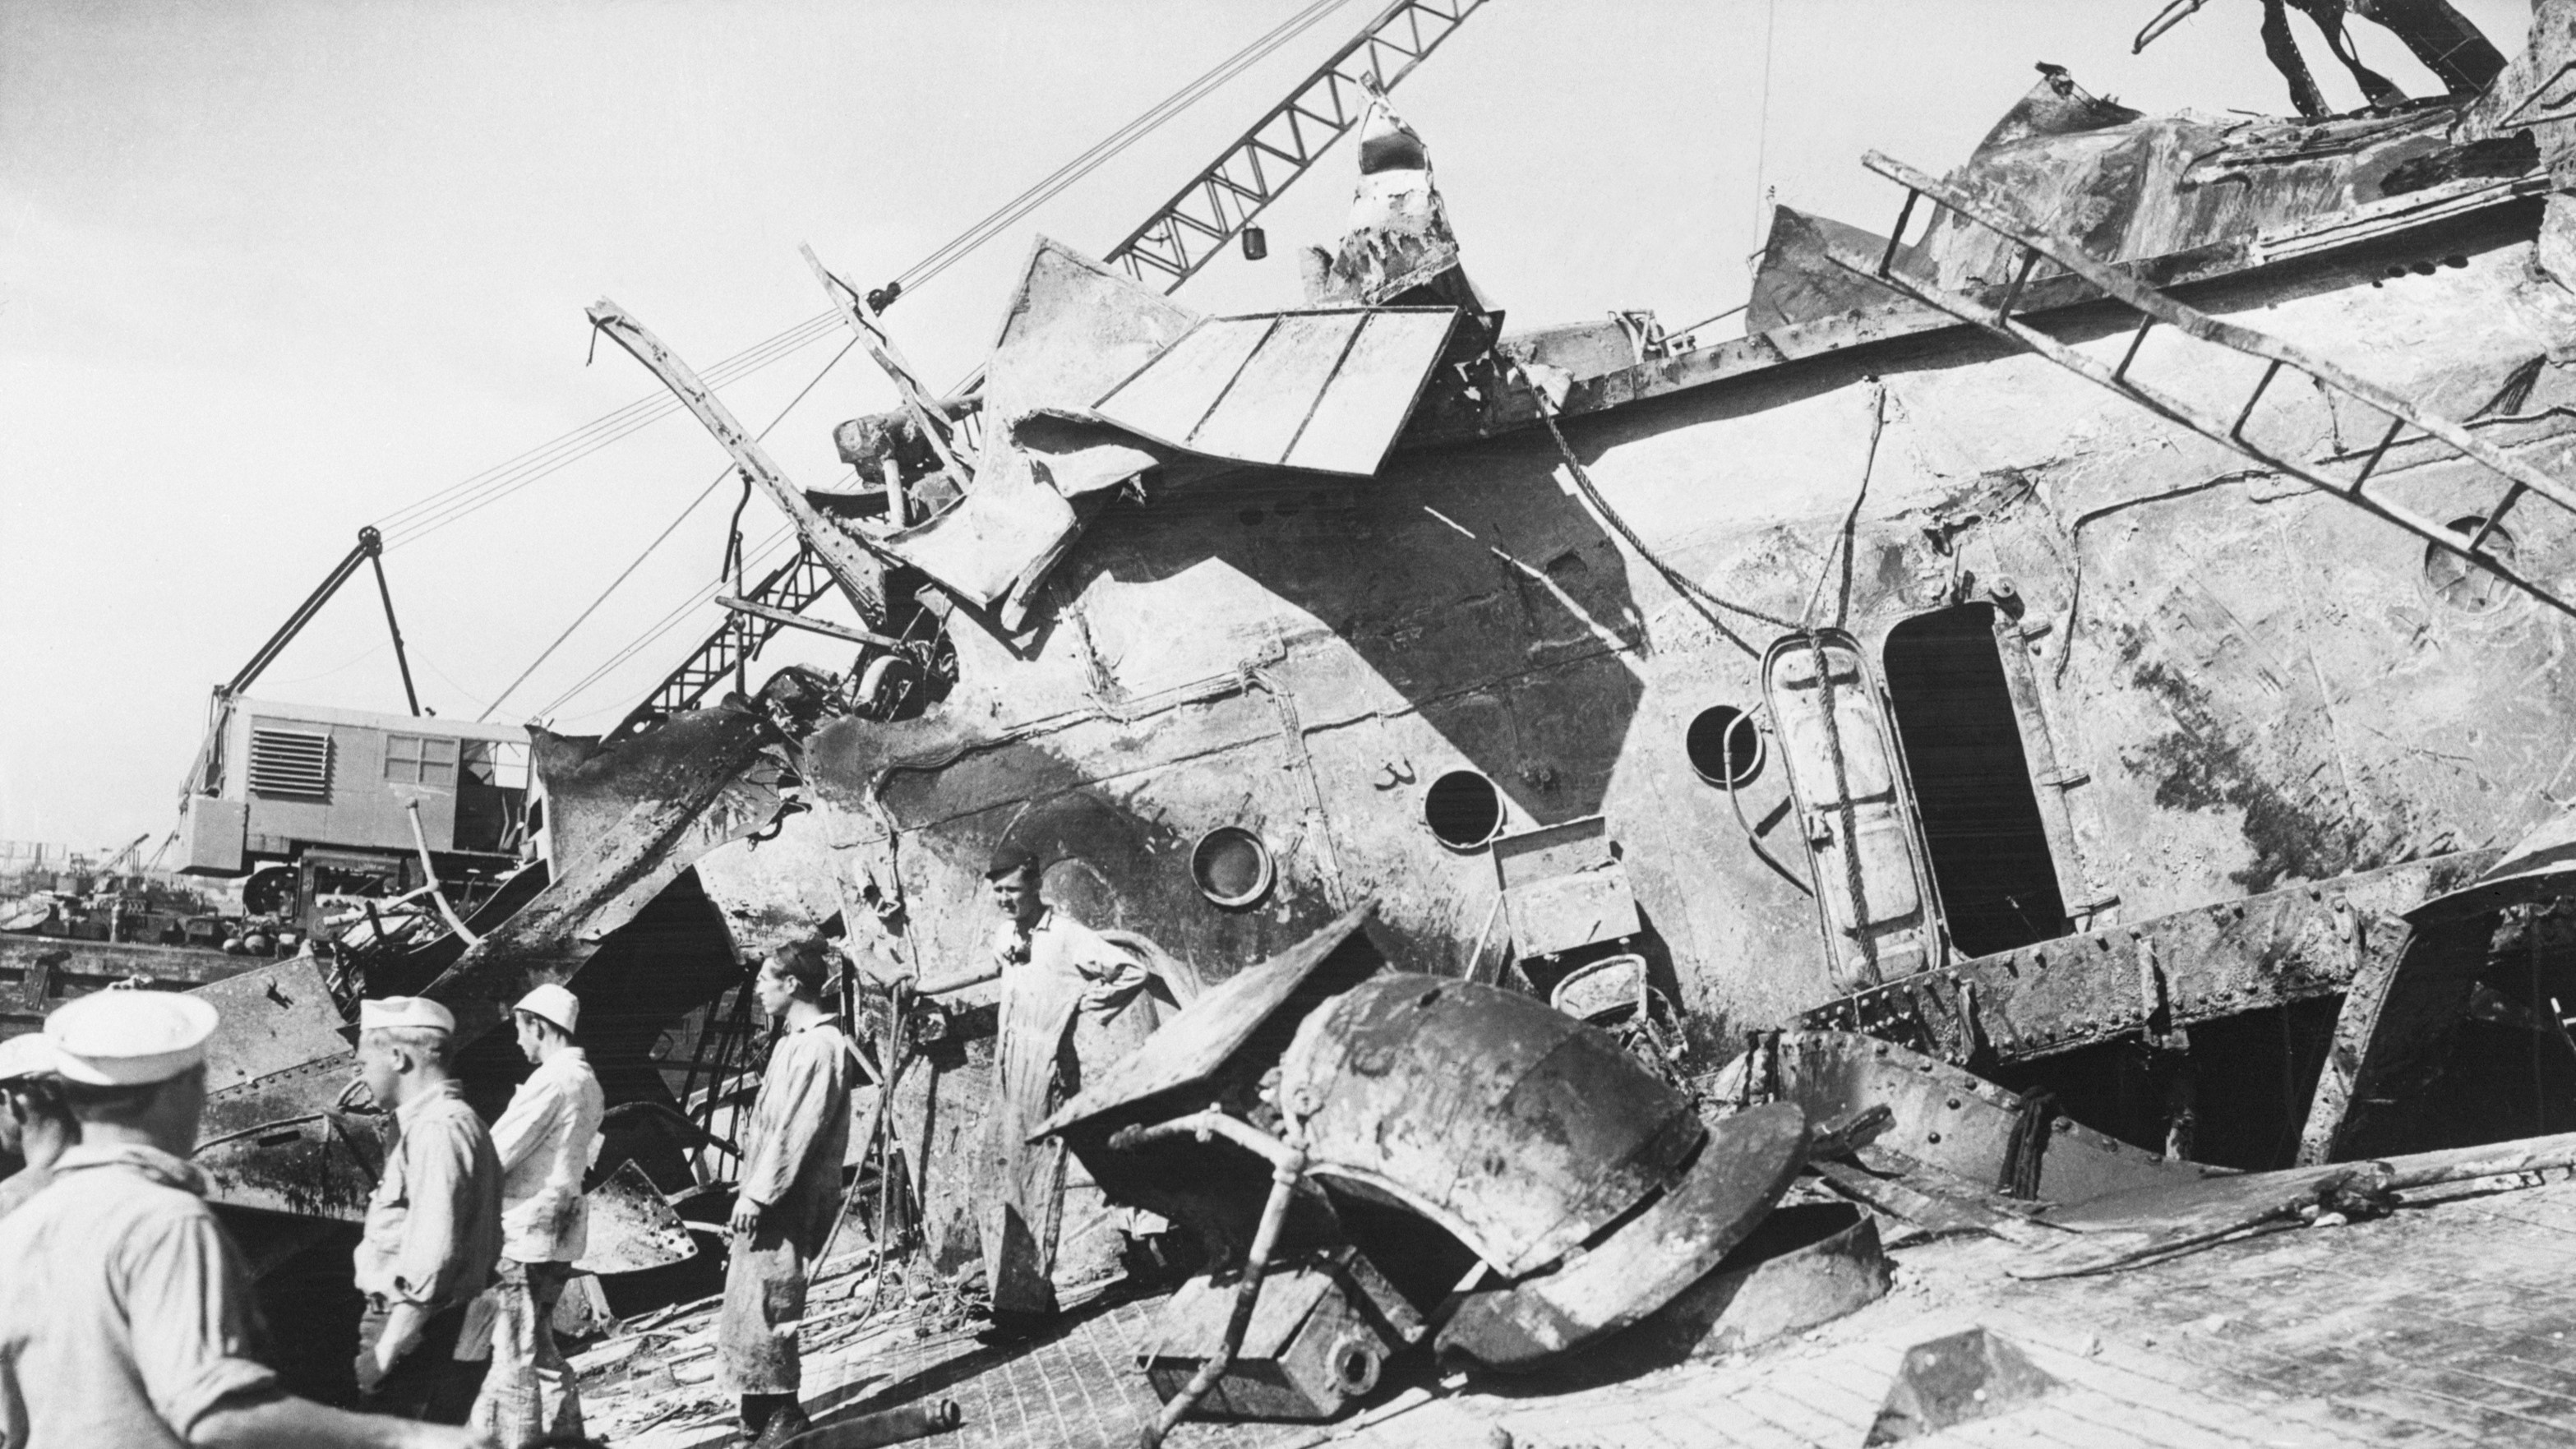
(433,1231)
(545,1141)
(126,1316)
(790,1193)
(1057,976)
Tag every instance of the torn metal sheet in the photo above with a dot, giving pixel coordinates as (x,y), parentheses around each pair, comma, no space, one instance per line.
(632,1227)
(270,1019)
(1398,244)
(1521,1131)
(2054,106)
(1000,537)
(2539,866)
(1795,283)
(1072,329)
(1804,1265)
(1188,1050)
(1959,1123)
(624,820)
(274,1136)
(1747,1162)
(1081,455)
(2132,1228)
(1324,390)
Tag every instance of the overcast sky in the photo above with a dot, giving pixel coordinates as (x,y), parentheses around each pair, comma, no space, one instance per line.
(269,272)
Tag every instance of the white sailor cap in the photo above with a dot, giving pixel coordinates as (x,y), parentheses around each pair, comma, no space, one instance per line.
(552,1003)
(129,1038)
(29,1055)
(405,1013)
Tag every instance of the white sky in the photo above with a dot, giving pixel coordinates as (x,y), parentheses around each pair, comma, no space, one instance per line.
(270,271)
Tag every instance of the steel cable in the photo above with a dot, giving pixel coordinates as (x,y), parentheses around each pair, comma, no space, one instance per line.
(460,500)
(658,539)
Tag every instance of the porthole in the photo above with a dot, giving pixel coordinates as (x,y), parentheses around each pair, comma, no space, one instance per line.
(2471,588)
(1232,866)
(1724,747)
(1463,809)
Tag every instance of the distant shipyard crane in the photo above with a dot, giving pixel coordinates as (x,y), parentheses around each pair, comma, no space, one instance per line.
(1175,243)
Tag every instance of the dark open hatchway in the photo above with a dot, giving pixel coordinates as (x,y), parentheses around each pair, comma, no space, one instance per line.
(1980,815)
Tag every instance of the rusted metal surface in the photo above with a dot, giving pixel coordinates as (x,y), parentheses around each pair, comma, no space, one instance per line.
(2129,1229)
(1071,330)
(1804,1265)
(1520,1130)
(2401,1011)
(1319,1336)
(272,1018)
(2241,955)
(1326,389)
(39,973)
(623,821)
(1217,1050)
(632,1227)
(1795,283)
(1957,1122)
(2032,242)
(283,1144)
(1746,1163)
(1194,1046)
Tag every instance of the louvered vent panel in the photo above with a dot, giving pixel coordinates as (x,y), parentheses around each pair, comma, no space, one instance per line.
(290,762)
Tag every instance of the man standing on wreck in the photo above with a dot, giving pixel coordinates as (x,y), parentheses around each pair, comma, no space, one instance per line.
(545,1142)
(433,1231)
(1054,972)
(790,1193)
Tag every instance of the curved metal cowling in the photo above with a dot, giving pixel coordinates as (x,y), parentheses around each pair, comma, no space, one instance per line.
(1520,1130)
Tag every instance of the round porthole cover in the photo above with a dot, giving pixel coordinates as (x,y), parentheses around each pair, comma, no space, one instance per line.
(2463,584)
(1231,866)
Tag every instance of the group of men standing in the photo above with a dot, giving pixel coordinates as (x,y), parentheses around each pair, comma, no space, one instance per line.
(128,1318)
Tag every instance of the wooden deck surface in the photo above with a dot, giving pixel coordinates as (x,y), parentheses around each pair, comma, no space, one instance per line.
(2453,1323)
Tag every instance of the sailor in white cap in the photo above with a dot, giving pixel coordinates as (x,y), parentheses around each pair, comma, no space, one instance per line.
(35,1126)
(127,1317)
(546,1141)
(433,1230)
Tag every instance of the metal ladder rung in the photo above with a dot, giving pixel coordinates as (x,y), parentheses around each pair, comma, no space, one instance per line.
(2152,307)
(2371,464)
(2495,516)
(2236,430)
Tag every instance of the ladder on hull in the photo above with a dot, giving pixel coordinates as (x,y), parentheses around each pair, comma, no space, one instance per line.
(791,586)
(2153,307)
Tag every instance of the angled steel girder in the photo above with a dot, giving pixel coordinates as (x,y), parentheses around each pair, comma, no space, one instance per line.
(2081,990)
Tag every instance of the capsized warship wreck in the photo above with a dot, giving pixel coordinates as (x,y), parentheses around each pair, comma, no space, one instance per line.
(2081,675)
(2075,756)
